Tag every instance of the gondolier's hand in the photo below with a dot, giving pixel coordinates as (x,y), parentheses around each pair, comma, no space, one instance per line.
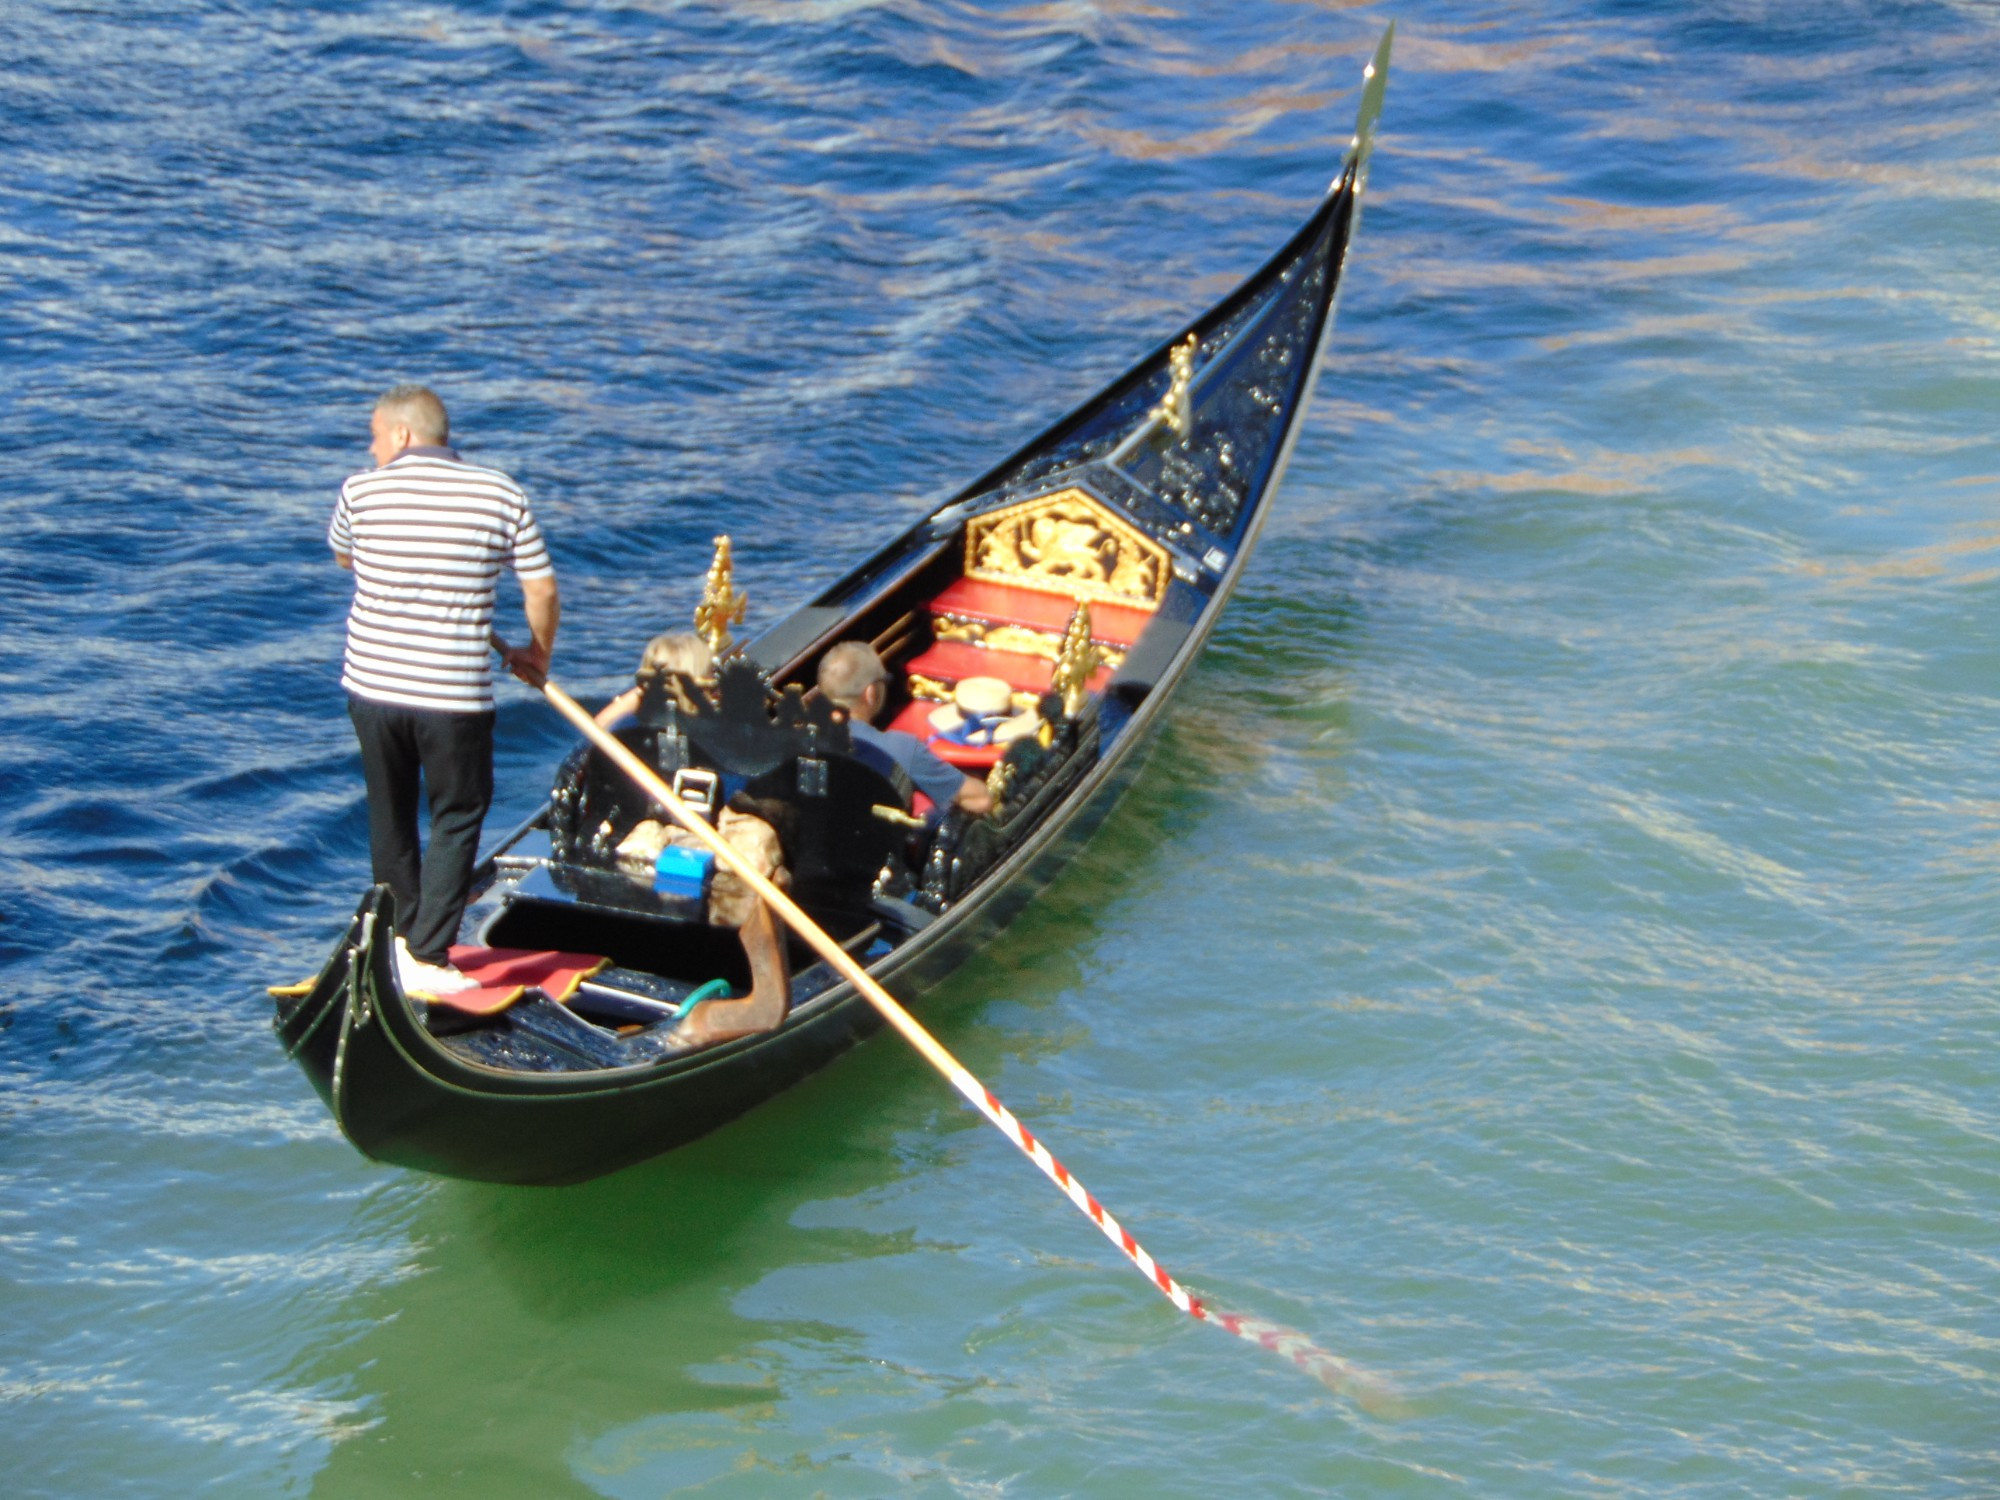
(530,663)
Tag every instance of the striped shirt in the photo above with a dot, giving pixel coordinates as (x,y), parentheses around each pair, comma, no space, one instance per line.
(428,533)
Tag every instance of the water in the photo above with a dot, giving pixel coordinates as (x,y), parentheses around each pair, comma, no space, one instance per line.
(1549,958)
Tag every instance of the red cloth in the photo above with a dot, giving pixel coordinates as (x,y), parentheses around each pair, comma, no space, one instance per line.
(999,603)
(916,719)
(1006,604)
(506,974)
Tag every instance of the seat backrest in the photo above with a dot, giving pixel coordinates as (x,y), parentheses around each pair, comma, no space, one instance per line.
(590,792)
(838,845)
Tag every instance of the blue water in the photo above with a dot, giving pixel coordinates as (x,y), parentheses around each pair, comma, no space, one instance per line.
(1549,958)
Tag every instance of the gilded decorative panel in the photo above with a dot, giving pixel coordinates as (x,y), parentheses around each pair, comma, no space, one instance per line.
(1067,543)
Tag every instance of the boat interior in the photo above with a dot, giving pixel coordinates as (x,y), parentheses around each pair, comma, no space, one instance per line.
(1022,626)
(1041,603)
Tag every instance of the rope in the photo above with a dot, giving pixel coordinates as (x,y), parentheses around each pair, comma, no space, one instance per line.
(714,989)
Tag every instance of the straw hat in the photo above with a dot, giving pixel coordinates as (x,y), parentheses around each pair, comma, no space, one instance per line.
(1020,726)
(981,696)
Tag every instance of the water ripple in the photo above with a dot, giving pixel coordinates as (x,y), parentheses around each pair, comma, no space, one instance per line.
(1548,956)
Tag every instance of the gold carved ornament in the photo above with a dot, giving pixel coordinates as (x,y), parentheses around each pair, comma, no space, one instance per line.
(1075,662)
(1068,543)
(999,782)
(1174,408)
(721,605)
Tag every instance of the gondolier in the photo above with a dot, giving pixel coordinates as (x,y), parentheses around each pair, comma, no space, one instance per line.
(426,534)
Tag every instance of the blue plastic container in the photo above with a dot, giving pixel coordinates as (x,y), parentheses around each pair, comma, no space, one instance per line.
(683,872)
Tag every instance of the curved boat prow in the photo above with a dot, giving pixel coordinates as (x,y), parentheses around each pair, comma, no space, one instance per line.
(1374,84)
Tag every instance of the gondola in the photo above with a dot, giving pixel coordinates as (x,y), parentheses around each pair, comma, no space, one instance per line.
(1086,571)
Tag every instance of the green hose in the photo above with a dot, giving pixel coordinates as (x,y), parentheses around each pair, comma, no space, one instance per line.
(715,989)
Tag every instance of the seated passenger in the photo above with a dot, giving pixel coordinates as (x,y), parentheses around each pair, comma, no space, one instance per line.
(747,826)
(750,827)
(680,657)
(852,677)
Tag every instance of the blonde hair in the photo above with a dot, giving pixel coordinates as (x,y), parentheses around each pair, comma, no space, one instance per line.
(669,658)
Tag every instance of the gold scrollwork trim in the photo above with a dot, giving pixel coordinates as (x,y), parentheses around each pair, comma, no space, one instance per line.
(1021,640)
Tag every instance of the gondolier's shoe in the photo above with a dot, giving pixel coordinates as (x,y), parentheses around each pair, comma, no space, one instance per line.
(428,981)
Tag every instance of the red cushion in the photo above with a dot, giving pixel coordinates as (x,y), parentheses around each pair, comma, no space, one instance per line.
(916,719)
(1006,604)
(967,758)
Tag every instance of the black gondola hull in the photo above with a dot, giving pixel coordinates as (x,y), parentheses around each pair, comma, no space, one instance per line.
(401,1098)
(404,1095)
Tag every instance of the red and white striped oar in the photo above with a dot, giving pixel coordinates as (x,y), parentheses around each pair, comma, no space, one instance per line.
(1329,1369)
(1336,1374)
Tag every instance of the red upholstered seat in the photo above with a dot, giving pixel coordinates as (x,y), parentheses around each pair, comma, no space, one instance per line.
(916,719)
(1006,604)
(952,662)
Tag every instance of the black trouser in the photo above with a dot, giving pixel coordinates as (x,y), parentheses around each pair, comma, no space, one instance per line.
(455,754)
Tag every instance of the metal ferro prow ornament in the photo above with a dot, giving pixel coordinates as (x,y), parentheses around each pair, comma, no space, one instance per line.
(1077,659)
(721,605)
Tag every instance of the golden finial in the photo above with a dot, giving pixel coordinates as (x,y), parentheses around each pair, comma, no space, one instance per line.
(1075,661)
(721,606)
(1174,408)
(999,782)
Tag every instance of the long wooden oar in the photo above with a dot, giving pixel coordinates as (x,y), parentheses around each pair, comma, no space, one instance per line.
(1333,1372)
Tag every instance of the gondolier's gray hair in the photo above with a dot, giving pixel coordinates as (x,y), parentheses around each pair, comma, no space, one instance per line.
(847,670)
(418,407)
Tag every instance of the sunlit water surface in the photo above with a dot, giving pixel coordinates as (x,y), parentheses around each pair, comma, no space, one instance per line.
(1550,957)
